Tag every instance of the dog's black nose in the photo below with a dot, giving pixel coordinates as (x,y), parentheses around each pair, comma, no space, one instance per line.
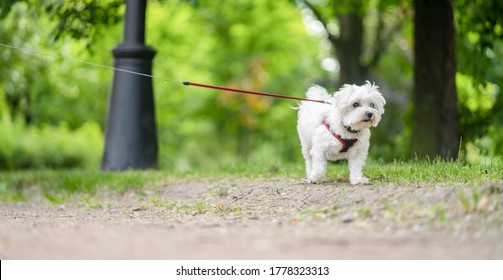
(369,115)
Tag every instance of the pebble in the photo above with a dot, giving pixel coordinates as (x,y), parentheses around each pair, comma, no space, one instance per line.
(347,218)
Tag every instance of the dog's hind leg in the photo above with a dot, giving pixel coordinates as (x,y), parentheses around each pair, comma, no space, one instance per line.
(319,166)
(307,158)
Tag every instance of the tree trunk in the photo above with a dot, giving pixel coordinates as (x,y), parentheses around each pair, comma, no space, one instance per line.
(349,48)
(435,126)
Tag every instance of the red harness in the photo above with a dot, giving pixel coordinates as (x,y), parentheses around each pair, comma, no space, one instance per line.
(346,143)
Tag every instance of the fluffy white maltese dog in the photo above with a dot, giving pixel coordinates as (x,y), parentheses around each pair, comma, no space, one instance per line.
(338,129)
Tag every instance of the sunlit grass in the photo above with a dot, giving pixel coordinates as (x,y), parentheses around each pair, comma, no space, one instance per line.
(60,185)
(434,172)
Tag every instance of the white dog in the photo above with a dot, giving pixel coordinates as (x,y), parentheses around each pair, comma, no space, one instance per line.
(338,129)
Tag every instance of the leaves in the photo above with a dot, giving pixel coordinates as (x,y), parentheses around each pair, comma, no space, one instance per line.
(5,7)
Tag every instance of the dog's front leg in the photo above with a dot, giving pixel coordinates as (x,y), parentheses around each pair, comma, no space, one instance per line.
(356,163)
(319,166)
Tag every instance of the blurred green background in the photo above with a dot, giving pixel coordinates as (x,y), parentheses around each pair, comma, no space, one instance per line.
(52,111)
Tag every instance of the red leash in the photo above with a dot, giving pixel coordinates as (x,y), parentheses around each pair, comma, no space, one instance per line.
(187,83)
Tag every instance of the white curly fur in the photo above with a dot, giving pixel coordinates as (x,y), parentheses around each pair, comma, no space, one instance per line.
(354,107)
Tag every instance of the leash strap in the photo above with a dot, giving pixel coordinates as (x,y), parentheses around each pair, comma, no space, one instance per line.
(187,83)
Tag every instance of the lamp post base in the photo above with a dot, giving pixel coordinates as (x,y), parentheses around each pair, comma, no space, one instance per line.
(131,135)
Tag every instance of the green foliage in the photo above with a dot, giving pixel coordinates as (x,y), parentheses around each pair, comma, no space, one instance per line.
(259,45)
(23,147)
(480,26)
(480,119)
(43,90)
(46,112)
(5,7)
(83,19)
(227,45)
(480,60)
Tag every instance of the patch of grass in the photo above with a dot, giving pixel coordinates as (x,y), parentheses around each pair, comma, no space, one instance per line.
(480,200)
(438,211)
(197,207)
(465,201)
(364,212)
(58,197)
(387,206)
(219,192)
(160,202)
(58,186)
(317,213)
(433,171)
(222,208)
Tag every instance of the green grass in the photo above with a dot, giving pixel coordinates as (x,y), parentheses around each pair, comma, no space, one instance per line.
(197,207)
(58,186)
(433,172)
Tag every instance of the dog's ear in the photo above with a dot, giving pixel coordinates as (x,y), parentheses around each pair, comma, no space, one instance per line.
(377,120)
(376,96)
(343,96)
(380,102)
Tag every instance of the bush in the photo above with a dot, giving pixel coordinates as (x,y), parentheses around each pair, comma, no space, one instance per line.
(23,147)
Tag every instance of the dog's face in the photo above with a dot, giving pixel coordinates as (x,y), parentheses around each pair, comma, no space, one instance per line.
(359,106)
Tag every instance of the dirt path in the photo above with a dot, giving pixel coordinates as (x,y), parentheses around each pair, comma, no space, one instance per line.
(262,219)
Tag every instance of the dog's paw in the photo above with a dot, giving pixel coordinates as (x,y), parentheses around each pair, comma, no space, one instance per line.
(314,180)
(359,180)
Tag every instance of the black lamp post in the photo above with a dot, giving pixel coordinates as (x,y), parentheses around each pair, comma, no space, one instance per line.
(131,135)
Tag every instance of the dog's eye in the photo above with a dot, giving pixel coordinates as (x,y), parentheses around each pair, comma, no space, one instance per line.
(372,105)
(356,105)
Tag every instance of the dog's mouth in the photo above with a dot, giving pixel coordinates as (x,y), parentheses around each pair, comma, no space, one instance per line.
(369,120)
(368,117)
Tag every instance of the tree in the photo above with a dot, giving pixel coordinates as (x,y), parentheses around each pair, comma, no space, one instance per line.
(82,19)
(348,43)
(435,128)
